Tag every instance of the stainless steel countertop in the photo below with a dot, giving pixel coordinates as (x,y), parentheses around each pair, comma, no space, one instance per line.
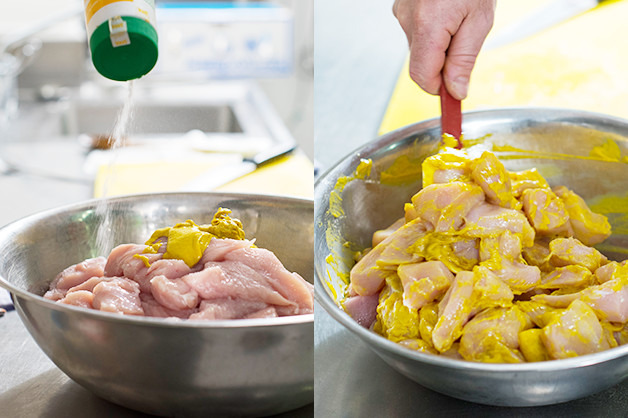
(358,58)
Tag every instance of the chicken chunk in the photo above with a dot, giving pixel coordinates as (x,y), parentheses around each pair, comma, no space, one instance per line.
(395,320)
(570,251)
(489,173)
(423,282)
(574,332)
(366,277)
(382,234)
(492,336)
(527,179)
(453,311)
(502,256)
(572,276)
(444,206)
(486,220)
(588,227)
(447,166)
(545,211)
(609,300)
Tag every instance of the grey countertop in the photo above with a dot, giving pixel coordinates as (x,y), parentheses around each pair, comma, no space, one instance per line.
(359,52)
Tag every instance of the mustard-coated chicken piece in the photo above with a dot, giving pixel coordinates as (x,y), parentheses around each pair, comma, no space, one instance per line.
(444,206)
(546,212)
(491,175)
(492,336)
(502,256)
(424,282)
(588,227)
(395,320)
(366,276)
(570,251)
(453,311)
(572,276)
(573,332)
(493,266)
(444,167)
(486,220)
(527,179)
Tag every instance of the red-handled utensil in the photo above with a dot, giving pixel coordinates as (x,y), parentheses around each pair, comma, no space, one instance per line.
(451,115)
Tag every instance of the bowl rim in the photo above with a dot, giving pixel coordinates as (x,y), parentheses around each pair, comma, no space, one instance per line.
(542,114)
(377,342)
(18,294)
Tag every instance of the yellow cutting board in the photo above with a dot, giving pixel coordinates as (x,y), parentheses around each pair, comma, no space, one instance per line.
(291,175)
(579,64)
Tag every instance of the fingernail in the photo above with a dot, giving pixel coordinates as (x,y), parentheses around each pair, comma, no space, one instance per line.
(460,86)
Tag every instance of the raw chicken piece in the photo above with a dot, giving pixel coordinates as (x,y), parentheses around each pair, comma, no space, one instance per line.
(489,173)
(82,298)
(367,278)
(269,312)
(444,206)
(382,234)
(570,251)
(362,308)
(453,311)
(441,247)
(447,166)
(527,179)
(75,275)
(574,332)
(418,344)
(428,317)
(492,336)
(153,308)
(169,268)
(573,276)
(290,285)
(609,300)
(229,279)
(489,291)
(174,294)
(538,254)
(545,211)
(590,228)
(556,299)
(119,295)
(228,309)
(502,256)
(605,273)
(218,249)
(486,220)
(423,282)
(395,321)
(531,345)
(122,261)
(468,250)
(538,312)
(612,270)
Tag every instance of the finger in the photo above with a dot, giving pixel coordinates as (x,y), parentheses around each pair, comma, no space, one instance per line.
(463,51)
(427,57)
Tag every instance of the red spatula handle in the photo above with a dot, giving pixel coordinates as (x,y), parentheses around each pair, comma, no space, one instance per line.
(451,115)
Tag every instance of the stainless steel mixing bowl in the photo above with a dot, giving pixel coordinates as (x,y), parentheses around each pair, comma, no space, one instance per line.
(547,136)
(249,367)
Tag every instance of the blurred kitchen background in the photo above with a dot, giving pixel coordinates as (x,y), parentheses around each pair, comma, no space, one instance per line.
(232,88)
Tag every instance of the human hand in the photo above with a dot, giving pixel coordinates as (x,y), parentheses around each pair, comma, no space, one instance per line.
(445,36)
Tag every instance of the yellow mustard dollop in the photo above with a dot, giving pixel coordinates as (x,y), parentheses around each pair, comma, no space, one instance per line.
(187,241)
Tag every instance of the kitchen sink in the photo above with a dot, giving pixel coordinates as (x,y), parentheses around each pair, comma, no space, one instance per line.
(236,111)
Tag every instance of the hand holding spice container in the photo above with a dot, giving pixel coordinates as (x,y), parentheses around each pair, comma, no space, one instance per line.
(122,37)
